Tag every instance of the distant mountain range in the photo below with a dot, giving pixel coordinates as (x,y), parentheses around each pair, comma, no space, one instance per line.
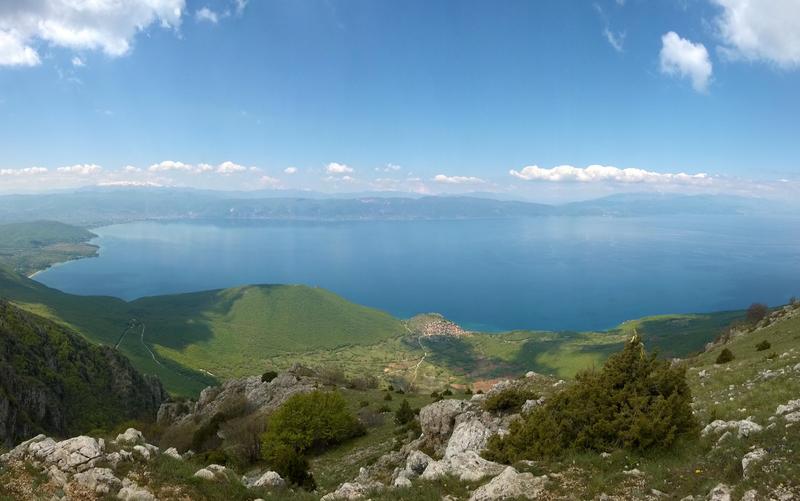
(108,205)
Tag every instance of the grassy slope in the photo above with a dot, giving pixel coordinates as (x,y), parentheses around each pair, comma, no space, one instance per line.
(232,332)
(29,247)
(238,332)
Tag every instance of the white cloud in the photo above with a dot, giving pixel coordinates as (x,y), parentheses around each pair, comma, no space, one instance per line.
(206,14)
(337,168)
(604,173)
(81,169)
(767,30)
(78,62)
(106,25)
(13,52)
(617,40)
(269,181)
(441,178)
(685,59)
(168,165)
(201,168)
(148,184)
(290,170)
(130,169)
(230,168)
(27,171)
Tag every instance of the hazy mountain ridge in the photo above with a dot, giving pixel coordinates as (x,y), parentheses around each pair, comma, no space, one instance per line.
(111,205)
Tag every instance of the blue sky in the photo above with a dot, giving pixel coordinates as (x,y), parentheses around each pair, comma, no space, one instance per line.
(424,96)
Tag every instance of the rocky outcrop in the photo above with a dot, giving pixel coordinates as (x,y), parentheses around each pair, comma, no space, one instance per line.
(743,428)
(466,466)
(248,395)
(83,467)
(53,381)
(510,484)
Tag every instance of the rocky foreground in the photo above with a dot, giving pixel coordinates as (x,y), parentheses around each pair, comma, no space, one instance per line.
(747,448)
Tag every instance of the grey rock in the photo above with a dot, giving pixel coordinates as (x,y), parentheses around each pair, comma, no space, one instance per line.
(750,458)
(99,480)
(511,484)
(467,466)
(132,436)
(720,493)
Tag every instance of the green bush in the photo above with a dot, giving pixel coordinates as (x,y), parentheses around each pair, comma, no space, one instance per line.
(468,391)
(509,400)
(447,392)
(763,345)
(635,402)
(292,466)
(404,414)
(268,376)
(311,422)
(725,356)
(384,408)
(387,397)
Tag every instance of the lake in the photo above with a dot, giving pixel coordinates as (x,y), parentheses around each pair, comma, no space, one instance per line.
(559,273)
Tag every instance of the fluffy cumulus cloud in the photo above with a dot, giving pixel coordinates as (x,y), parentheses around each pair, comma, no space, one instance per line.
(229,167)
(290,170)
(606,173)
(680,57)
(170,165)
(80,169)
(336,168)
(767,30)
(106,25)
(27,171)
(441,178)
(224,168)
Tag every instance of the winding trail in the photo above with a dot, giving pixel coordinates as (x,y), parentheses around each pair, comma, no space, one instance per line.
(132,324)
(147,347)
(424,355)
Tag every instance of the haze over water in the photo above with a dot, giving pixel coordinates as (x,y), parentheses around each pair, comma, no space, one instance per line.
(561,273)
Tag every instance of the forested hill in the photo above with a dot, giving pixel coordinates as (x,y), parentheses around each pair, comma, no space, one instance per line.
(52,381)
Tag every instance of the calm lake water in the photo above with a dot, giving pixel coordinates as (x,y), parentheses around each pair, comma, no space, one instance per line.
(547,273)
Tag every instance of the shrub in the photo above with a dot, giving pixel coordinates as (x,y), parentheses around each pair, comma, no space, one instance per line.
(363,383)
(370,418)
(387,397)
(403,414)
(311,421)
(635,401)
(479,392)
(292,466)
(399,391)
(390,388)
(332,376)
(756,312)
(434,394)
(268,376)
(384,408)
(468,391)
(242,442)
(509,400)
(725,356)
(763,345)
(447,392)
(363,403)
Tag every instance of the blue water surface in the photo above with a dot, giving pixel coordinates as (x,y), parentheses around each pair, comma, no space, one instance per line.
(562,273)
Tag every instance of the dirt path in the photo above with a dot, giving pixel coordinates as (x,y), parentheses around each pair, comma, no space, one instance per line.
(147,347)
(424,355)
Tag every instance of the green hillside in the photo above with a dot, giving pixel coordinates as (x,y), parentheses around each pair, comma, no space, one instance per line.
(30,247)
(237,332)
(53,381)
